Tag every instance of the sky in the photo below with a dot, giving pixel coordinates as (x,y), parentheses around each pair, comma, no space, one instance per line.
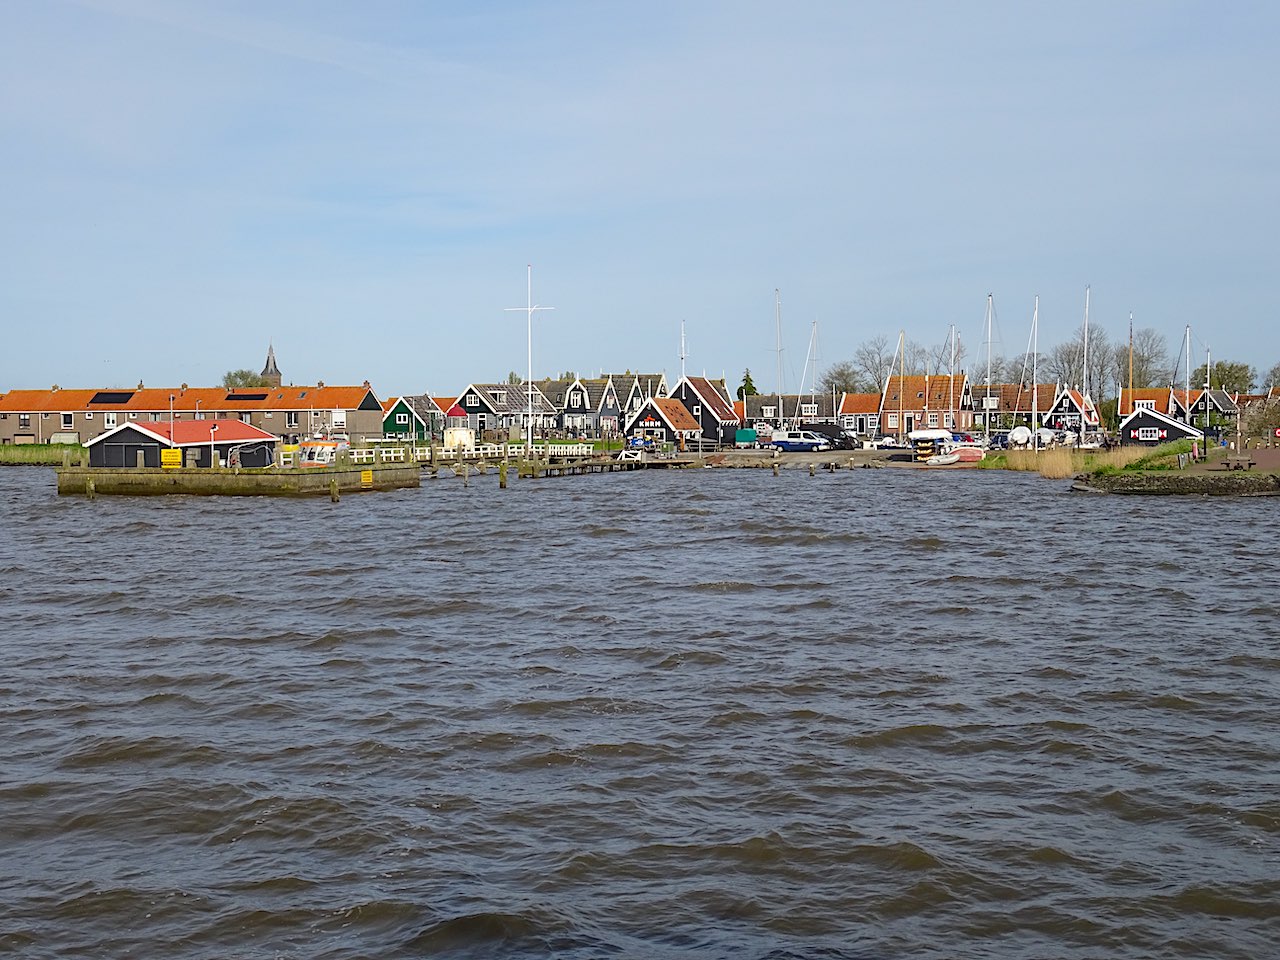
(364,186)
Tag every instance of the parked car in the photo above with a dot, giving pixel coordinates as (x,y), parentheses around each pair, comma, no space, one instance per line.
(803,441)
(836,436)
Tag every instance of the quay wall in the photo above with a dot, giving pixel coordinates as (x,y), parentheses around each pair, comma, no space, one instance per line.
(1171,483)
(311,482)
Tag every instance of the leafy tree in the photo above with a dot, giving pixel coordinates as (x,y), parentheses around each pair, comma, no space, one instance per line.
(514,377)
(748,388)
(1227,375)
(242,378)
(842,377)
(568,375)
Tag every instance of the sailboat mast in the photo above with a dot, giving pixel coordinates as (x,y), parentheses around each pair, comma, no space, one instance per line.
(1035,374)
(1186,396)
(1131,406)
(951,384)
(777,316)
(986,416)
(1084,376)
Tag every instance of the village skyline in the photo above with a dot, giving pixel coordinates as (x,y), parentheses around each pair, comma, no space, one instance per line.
(368,189)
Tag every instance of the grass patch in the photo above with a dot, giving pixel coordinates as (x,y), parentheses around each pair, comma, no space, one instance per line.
(1059,463)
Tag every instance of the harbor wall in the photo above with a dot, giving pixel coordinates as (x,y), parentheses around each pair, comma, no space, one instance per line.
(311,482)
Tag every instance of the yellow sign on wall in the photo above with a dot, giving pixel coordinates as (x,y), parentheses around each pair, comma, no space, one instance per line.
(366,478)
(170,458)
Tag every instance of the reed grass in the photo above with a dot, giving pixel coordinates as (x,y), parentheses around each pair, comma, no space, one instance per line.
(48,454)
(1059,463)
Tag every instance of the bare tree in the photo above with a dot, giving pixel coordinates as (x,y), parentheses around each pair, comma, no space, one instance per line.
(874,361)
(915,358)
(1151,364)
(1272,379)
(1065,362)
(939,360)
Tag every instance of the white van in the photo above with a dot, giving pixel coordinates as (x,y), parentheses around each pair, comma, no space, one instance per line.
(803,441)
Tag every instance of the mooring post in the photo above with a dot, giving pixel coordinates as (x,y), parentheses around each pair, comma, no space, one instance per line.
(502,475)
(333,490)
(775,468)
(811,469)
(66,458)
(90,490)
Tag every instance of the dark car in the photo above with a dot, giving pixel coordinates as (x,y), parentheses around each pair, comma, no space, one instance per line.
(836,437)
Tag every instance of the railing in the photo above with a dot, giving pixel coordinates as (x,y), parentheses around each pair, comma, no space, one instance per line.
(481,451)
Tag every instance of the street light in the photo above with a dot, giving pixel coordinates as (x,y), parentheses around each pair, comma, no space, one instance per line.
(213,453)
(529,309)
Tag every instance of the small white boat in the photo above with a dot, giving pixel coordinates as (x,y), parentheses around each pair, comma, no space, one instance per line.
(942,459)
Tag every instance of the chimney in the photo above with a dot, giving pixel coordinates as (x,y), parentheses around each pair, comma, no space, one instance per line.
(366,384)
(319,383)
(139,384)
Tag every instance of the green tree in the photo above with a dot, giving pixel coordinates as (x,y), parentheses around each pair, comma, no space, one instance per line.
(1227,375)
(242,378)
(748,388)
(1261,419)
(514,377)
(842,377)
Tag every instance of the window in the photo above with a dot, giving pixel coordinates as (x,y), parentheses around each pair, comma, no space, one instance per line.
(920,394)
(402,419)
(88,414)
(44,416)
(808,409)
(291,418)
(933,419)
(770,411)
(1144,405)
(575,401)
(108,420)
(697,411)
(199,414)
(267,415)
(472,400)
(155,417)
(340,419)
(947,421)
(893,421)
(500,397)
(24,421)
(1148,433)
(133,414)
(68,421)
(246,417)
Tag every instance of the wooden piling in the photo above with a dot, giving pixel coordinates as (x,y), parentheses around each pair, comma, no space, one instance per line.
(502,475)
(333,490)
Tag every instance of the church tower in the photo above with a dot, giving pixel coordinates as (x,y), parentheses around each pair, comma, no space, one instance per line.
(271,373)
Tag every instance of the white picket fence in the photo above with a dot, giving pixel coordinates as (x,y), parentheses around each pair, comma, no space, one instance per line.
(481,451)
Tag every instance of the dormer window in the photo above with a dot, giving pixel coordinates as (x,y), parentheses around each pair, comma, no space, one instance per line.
(500,397)
(1144,404)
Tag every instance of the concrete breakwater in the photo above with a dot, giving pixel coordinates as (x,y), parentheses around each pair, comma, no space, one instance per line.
(333,481)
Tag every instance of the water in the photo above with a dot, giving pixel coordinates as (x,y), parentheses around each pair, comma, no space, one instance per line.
(717,714)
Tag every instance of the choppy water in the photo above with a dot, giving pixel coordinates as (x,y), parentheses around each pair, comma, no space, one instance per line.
(872,714)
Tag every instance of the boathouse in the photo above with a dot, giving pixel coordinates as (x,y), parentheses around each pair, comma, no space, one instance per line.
(1149,427)
(235,443)
(664,419)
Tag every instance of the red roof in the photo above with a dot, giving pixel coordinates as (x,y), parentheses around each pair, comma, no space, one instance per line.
(190,433)
(720,405)
(674,413)
(155,399)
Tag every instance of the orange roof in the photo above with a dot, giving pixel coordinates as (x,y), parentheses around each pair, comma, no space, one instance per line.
(154,399)
(921,391)
(740,408)
(444,403)
(852,403)
(1016,397)
(1159,397)
(674,412)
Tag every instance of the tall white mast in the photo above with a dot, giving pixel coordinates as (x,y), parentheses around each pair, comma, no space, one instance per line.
(683,354)
(1186,396)
(777,315)
(1035,374)
(986,403)
(1084,377)
(951,384)
(530,308)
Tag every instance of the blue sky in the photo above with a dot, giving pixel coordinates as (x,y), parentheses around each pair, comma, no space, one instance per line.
(364,184)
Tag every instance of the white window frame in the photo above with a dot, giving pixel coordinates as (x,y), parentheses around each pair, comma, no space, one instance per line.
(68,421)
(808,409)
(1148,433)
(768,412)
(893,421)
(291,418)
(1144,405)
(402,419)
(933,418)
(109,420)
(339,419)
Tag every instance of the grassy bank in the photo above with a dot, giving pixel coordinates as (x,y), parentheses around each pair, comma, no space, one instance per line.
(46,454)
(1060,463)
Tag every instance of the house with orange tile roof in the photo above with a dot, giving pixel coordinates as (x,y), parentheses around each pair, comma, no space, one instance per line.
(709,403)
(789,409)
(1158,399)
(926,402)
(664,419)
(860,413)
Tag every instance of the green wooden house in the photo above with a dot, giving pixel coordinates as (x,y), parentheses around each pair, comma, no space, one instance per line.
(413,417)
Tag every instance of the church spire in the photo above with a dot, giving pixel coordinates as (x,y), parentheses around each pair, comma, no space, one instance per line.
(271,373)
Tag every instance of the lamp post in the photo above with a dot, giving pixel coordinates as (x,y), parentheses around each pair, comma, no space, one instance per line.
(529,309)
(213,453)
